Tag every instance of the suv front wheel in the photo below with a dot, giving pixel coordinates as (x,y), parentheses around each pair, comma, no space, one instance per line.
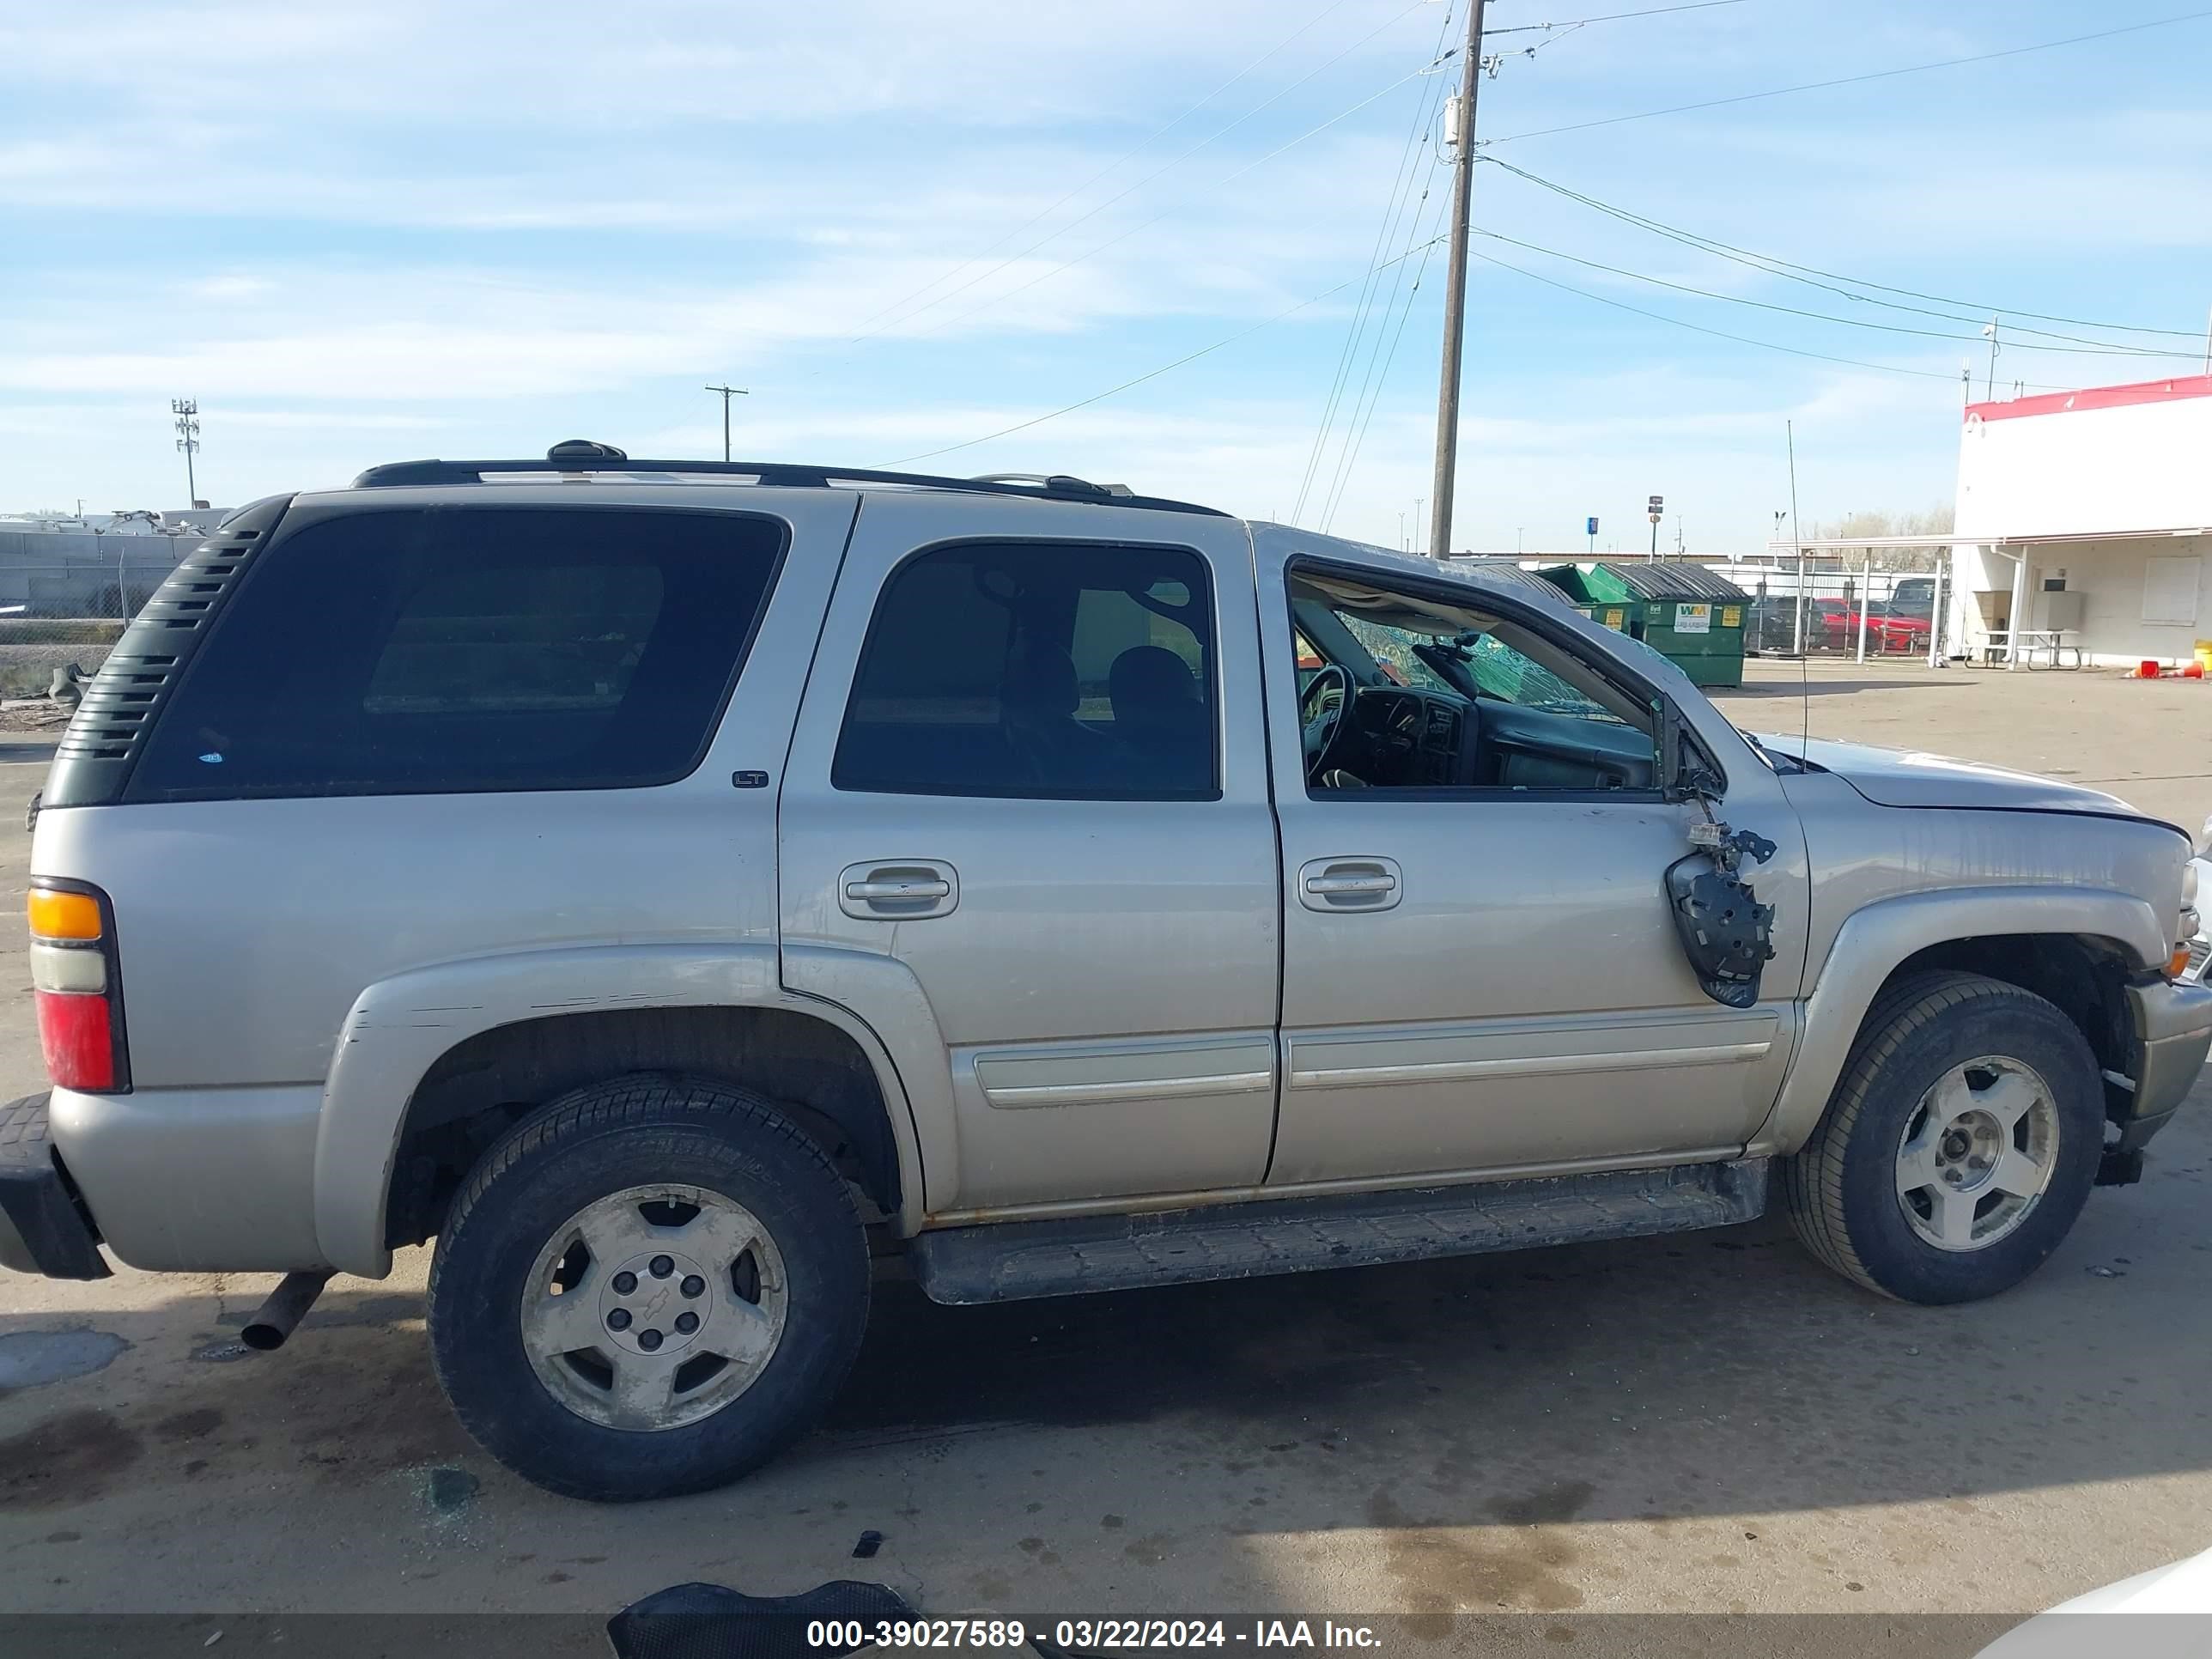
(648,1288)
(1960,1146)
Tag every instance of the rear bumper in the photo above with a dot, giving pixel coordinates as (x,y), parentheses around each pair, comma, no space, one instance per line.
(43,1228)
(2173,1034)
(197,1180)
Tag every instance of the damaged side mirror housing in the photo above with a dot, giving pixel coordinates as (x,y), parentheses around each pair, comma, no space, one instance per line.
(1726,933)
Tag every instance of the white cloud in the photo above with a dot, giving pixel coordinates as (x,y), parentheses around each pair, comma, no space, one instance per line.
(498,224)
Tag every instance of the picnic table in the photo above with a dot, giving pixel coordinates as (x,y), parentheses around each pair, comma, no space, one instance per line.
(2052,643)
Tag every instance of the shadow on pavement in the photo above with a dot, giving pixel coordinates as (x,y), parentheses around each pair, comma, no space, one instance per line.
(1704,1374)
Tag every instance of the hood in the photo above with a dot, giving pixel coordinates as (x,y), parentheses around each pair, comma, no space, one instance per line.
(1904,777)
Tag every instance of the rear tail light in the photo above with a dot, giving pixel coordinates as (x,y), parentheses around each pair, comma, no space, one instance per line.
(79,993)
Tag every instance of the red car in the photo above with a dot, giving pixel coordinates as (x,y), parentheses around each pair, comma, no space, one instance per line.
(1887,628)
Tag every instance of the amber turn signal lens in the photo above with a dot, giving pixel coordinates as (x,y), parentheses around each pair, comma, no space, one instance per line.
(63,916)
(2178,963)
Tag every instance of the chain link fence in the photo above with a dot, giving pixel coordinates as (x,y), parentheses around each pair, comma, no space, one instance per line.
(65,597)
(1835,610)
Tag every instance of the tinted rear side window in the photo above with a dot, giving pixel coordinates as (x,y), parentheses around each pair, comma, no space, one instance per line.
(464,649)
(1059,671)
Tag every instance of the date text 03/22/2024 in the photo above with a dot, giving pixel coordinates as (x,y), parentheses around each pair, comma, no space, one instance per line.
(1086,1636)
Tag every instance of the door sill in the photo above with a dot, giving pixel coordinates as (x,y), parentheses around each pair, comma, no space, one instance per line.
(1013,1260)
(1328,1186)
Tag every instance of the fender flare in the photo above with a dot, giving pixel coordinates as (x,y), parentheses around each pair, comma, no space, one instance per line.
(399,1027)
(1874,940)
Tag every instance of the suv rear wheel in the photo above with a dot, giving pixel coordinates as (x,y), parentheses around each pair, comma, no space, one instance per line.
(1961,1143)
(649,1288)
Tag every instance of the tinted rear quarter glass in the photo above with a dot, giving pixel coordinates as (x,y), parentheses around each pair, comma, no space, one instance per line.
(462,649)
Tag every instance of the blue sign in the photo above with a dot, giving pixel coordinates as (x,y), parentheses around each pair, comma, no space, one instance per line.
(1592,530)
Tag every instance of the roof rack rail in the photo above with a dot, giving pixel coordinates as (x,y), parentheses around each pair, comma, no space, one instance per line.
(579,456)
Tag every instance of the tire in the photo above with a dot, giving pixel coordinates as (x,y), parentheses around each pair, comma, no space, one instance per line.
(1845,1189)
(615,1167)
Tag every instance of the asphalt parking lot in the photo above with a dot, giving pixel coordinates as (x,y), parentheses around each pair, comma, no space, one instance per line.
(1706,1423)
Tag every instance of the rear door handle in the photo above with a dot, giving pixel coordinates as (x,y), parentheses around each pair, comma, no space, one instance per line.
(1349,883)
(898,890)
(1335,884)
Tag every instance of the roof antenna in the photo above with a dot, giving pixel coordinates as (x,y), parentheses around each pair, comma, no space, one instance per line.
(1804,673)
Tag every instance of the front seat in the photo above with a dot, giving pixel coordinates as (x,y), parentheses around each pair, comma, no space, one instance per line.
(1039,701)
(1159,714)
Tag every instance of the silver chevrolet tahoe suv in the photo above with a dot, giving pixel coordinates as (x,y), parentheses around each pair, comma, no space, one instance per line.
(679,888)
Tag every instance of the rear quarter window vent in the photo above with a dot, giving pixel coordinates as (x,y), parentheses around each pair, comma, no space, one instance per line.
(121,702)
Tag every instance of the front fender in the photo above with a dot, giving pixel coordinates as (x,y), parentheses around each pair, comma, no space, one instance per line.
(398,1028)
(1874,940)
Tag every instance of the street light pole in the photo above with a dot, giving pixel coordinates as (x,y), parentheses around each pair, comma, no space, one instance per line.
(1440,508)
(728,392)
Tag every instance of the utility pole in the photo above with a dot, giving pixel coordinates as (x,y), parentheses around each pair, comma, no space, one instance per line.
(728,392)
(187,411)
(1440,506)
(1989,389)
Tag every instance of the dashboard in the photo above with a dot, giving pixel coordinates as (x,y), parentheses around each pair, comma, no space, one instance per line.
(1404,737)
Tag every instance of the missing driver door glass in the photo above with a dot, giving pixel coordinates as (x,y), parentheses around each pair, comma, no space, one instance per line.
(1524,999)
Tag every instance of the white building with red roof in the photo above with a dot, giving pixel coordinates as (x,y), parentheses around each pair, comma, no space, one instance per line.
(2082,523)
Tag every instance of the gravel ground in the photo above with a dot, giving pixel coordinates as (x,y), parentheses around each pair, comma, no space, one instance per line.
(26,670)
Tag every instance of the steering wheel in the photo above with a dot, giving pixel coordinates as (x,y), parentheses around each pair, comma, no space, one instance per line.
(1320,725)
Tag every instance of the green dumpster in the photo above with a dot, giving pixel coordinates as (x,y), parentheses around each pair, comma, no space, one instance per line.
(1602,601)
(1687,613)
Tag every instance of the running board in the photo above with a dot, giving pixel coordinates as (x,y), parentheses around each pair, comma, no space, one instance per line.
(1011,1260)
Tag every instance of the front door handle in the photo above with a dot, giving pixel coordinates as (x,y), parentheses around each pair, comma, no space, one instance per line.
(898,890)
(1349,883)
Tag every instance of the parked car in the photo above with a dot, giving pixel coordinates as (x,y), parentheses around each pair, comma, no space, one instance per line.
(2167,1608)
(1887,630)
(1770,627)
(668,885)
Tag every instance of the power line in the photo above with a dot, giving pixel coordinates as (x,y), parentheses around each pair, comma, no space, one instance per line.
(1119,161)
(1774,265)
(999,299)
(1822,317)
(1170,165)
(1358,438)
(1851,79)
(1722,334)
(1369,388)
(1402,182)
(1609,17)
(1376,374)
(1152,375)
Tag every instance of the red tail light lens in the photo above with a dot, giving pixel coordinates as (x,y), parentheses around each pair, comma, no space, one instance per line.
(79,1040)
(73,977)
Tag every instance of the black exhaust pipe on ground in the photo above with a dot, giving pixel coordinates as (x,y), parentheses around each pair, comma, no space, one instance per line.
(288,1304)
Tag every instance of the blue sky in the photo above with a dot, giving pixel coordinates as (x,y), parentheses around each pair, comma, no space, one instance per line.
(359,233)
